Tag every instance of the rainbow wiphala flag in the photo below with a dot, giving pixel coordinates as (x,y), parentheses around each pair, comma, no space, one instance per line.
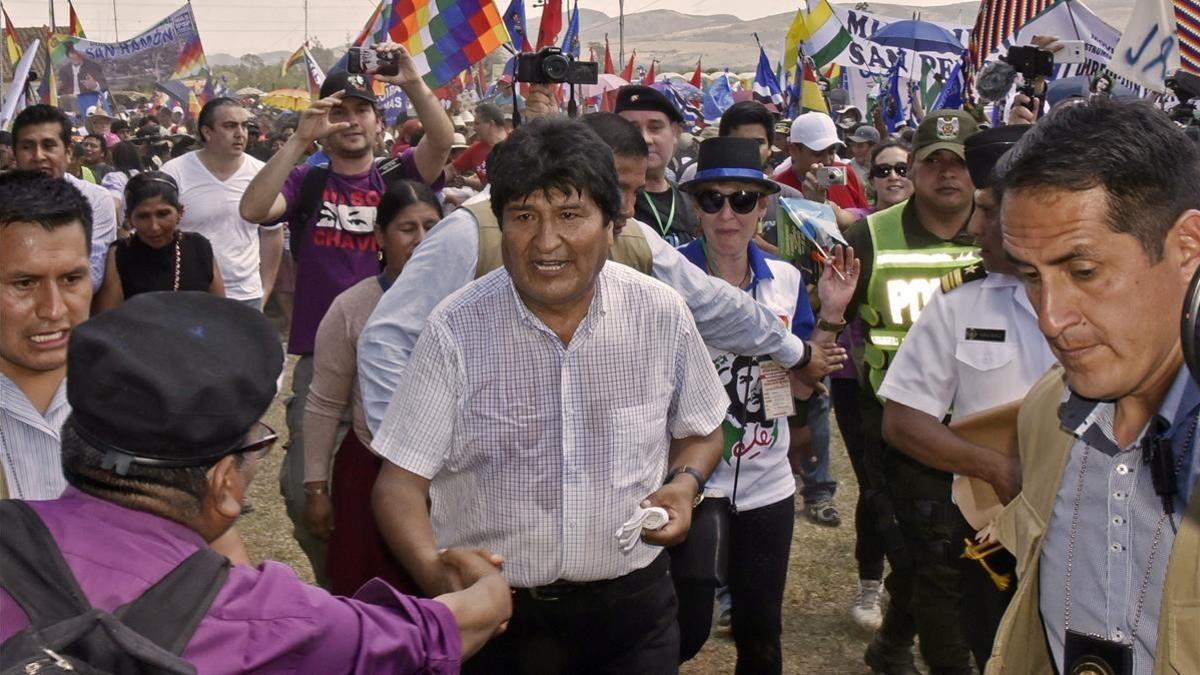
(445,37)
(191,59)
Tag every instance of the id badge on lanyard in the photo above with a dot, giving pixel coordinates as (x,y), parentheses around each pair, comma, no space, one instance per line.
(1093,655)
(776,390)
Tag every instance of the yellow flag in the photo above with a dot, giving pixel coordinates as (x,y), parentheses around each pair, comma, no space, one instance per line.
(797,32)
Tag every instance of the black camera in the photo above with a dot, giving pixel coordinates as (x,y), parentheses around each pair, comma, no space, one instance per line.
(1031,62)
(1186,88)
(550,65)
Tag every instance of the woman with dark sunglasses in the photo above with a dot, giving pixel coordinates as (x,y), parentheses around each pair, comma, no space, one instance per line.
(888,176)
(730,194)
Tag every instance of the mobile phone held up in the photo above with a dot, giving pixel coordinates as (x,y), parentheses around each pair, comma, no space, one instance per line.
(369,61)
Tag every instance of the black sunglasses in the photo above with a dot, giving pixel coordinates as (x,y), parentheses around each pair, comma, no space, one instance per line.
(884,170)
(742,201)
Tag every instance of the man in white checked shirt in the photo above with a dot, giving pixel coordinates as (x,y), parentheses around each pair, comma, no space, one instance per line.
(542,406)
(45,291)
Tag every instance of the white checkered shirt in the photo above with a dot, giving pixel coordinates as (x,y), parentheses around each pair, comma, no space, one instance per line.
(540,451)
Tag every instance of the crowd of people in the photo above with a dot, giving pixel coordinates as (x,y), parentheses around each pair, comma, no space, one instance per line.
(555,389)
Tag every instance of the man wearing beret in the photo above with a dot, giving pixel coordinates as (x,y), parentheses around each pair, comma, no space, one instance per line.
(148,489)
(45,291)
(660,204)
(975,346)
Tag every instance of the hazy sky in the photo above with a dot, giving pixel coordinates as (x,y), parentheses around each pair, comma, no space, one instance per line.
(252,26)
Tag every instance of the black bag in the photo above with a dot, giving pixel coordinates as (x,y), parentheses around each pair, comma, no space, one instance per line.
(66,634)
(704,555)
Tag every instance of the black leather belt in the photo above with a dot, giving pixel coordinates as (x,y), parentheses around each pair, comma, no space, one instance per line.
(561,589)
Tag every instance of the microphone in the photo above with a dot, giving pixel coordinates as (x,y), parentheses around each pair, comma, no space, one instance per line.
(995,80)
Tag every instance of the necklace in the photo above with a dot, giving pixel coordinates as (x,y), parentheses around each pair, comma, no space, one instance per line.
(1158,529)
(664,229)
(712,269)
(178,260)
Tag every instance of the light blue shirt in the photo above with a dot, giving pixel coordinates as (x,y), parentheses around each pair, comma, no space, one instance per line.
(30,448)
(1118,515)
(445,261)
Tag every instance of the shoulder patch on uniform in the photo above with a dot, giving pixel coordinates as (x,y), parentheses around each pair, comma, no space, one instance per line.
(963,275)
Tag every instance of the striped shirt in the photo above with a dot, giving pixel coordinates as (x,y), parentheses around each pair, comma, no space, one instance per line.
(30,449)
(537,450)
(1118,515)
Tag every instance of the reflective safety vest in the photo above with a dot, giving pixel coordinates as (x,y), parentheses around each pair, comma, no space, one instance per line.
(628,248)
(903,280)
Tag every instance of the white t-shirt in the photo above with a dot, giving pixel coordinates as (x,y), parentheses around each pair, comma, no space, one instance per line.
(764,475)
(211,209)
(104,225)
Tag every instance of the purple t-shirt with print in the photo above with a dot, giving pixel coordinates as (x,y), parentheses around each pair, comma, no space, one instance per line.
(339,248)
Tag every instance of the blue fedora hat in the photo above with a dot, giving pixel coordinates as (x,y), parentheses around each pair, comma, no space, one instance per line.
(727,158)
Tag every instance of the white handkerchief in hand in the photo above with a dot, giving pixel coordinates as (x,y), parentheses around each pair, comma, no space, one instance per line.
(652,518)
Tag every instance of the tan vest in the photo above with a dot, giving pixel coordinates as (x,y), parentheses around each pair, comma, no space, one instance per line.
(628,248)
(1020,647)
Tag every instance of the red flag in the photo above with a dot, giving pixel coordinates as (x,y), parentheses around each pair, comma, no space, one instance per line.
(627,74)
(551,24)
(649,79)
(696,79)
(608,64)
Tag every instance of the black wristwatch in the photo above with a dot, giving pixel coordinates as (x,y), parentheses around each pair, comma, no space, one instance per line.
(804,360)
(700,479)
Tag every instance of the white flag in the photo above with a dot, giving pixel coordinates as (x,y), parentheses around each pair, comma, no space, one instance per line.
(1149,48)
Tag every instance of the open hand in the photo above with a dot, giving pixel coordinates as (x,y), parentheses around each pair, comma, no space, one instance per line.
(839,279)
(826,358)
(314,121)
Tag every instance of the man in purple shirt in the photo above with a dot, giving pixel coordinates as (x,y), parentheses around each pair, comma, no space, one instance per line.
(147,491)
(333,236)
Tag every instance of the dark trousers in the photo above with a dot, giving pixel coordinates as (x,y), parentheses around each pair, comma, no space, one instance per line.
(868,545)
(625,625)
(759,542)
(925,584)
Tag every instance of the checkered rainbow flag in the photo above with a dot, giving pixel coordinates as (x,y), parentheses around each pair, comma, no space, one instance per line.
(445,37)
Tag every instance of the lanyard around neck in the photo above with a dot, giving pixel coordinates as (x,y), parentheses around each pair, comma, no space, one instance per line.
(664,229)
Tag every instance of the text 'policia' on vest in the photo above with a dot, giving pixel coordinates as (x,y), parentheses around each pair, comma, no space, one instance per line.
(902,282)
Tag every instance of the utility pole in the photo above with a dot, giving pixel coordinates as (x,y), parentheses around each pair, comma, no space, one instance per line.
(116,31)
(621,33)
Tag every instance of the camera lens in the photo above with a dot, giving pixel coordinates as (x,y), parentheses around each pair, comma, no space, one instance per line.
(555,67)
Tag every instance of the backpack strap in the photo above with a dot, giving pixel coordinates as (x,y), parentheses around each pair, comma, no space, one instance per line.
(312,193)
(169,612)
(34,572)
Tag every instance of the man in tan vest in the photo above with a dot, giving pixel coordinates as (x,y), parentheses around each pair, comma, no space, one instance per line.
(1101,215)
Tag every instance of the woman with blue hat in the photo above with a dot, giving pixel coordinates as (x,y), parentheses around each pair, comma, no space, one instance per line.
(730,194)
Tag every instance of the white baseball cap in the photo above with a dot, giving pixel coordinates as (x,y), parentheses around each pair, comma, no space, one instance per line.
(815,131)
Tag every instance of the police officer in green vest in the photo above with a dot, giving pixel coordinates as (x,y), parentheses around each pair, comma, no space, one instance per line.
(905,250)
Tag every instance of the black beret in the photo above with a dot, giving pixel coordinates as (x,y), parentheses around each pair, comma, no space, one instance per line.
(640,97)
(985,148)
(174,379)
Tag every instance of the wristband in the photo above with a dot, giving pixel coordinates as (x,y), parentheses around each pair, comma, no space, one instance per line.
(315,490)
(808,353)
(830,326)
(700,480)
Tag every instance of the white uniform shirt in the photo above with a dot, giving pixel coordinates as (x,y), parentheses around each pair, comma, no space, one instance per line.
(971,349)
(539,451)
(210,207)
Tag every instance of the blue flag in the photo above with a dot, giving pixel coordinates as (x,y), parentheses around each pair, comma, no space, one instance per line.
(570,43)
(893,105)
(718,98)
(514,21)
(951,95)
(766,87)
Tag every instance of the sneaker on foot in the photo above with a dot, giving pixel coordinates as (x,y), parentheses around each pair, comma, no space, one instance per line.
(866,611)
(724,618)
(823,512)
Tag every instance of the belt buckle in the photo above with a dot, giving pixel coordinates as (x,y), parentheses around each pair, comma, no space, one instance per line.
(549,593)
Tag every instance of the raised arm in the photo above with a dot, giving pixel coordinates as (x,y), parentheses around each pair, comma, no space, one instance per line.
(434,149)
